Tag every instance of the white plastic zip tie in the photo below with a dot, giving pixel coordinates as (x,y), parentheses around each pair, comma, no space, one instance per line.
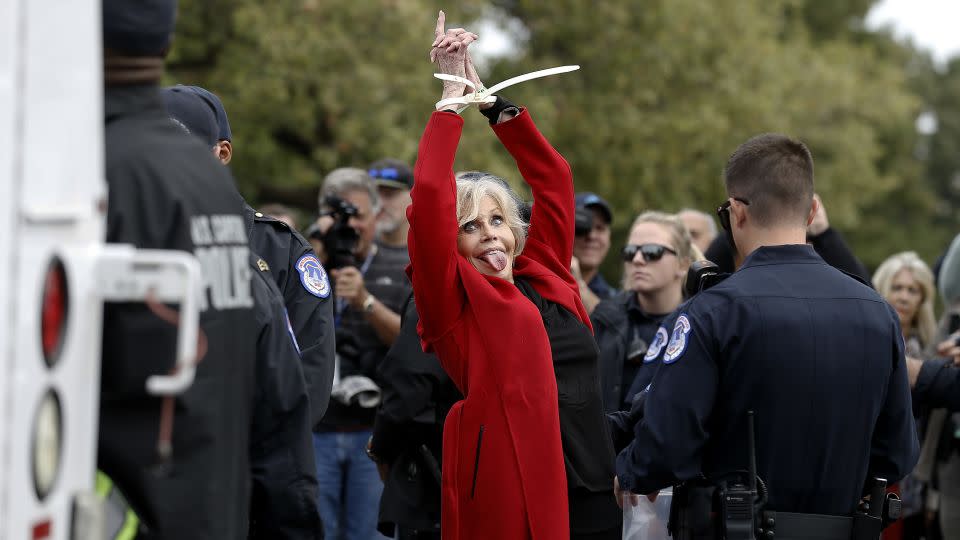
(486,95)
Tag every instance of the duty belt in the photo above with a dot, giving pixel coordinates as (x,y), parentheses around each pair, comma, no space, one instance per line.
(793,526)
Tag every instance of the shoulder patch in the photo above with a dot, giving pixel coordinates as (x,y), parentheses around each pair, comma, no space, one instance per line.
(659,341)
(678,340)
(313,276)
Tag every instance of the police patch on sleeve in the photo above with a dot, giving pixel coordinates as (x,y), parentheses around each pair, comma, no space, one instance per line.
(678,340)
(313,276)
(659,341)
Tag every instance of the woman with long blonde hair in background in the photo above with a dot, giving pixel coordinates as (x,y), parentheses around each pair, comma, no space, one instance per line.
(906,282)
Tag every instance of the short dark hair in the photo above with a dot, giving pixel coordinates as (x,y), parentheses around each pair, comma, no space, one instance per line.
(775,174)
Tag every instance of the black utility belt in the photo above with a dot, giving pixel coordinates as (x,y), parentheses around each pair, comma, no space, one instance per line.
(794,526)
(701,511)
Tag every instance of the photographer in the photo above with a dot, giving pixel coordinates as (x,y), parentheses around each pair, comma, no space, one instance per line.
(370,287)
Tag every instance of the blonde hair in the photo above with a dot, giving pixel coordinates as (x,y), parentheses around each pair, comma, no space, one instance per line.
(682,242)
(924,321)
(687,253)
(471,191)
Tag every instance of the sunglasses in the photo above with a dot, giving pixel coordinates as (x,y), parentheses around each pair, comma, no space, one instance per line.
(723,212)
(650,252)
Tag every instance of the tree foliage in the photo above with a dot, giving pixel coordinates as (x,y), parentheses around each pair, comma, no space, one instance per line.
(667,90)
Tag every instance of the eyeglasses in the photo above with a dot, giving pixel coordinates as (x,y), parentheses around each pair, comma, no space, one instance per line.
(723,212)
(650,252)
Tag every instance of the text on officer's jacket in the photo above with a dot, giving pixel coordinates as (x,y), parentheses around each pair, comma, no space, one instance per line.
(221,247)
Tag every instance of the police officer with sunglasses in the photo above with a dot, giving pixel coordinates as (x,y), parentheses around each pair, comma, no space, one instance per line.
(655,263)
(814,353)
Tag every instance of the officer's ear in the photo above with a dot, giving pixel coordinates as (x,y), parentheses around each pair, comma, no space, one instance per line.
(224,151)
(814,208)
(738,213)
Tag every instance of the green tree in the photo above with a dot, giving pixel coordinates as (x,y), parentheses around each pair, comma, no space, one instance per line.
(667,89)
(670,88)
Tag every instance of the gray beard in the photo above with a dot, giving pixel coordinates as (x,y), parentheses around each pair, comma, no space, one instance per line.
(387,227)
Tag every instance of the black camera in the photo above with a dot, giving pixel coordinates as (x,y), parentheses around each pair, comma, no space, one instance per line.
(341,239)
(583,221)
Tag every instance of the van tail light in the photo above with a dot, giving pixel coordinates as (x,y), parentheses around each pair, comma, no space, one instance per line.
(54,310)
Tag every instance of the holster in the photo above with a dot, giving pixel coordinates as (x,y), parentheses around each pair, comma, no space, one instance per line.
(692,514)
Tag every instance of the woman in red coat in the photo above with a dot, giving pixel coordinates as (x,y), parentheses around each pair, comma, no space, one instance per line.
(486,290)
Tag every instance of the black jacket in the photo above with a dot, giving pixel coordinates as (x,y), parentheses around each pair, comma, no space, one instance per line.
(938,385)
(305,289)
(615,332)
(408,432)
(283,503)
(167,191)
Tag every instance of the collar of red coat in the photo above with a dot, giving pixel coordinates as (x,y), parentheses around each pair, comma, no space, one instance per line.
(538,275)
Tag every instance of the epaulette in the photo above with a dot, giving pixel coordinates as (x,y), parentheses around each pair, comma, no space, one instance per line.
(265,218)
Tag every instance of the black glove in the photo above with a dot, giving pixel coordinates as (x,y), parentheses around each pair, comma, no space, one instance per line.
(493,113)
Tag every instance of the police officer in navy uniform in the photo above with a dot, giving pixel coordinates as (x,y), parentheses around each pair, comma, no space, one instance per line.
(284,480)
(284,483)
(816,354)
(305,288)
(302,280)
(167,192)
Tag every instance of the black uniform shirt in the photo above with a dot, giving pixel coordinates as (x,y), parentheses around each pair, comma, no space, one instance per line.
(622,328)
(305,287)
(817,355)
(284,490)
(167,191)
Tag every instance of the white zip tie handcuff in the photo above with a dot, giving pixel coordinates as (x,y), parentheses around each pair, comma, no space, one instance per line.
(486,95)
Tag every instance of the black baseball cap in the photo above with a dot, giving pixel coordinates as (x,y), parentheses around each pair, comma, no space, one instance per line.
(192,113)
(141,28)
(213,101)
(391,173)
(587,199)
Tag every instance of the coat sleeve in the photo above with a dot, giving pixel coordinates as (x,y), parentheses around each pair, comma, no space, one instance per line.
(551,180)
(312,320)
(895,448)
(669,440)
(432,242)
(835,252)
(283,474)
(938,385)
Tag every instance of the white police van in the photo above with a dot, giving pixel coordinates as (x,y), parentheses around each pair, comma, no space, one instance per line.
(56,271)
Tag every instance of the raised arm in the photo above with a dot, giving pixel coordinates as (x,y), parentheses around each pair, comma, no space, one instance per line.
(551,181)
(432,241)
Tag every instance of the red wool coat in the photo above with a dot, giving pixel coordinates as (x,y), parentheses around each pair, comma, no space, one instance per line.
(503,474)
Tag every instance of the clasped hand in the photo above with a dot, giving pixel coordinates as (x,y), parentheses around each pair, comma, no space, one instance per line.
(449,52)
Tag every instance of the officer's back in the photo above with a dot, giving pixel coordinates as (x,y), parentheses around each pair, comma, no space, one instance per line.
(817,355)
(167,191)
(812,352)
